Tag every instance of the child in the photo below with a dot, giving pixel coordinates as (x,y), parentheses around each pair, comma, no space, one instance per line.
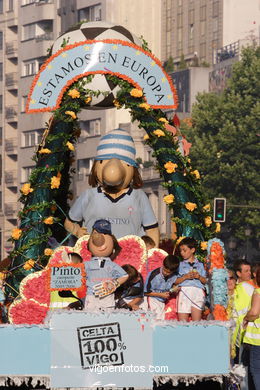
(149,242)
(192,280)
(66,299)
(159,285)
(130,294)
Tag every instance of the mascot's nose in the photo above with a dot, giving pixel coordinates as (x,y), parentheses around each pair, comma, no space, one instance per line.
(113,173)
(98,239)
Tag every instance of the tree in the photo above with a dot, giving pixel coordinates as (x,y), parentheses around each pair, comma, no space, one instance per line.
(225,137)
(182,63)
(169,65)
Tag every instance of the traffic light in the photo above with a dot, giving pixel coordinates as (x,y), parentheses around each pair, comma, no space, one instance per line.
(219,210)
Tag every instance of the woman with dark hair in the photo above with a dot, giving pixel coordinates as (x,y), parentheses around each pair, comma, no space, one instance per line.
(252,335)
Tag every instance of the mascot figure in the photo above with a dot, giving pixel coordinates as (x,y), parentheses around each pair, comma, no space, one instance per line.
(116,195)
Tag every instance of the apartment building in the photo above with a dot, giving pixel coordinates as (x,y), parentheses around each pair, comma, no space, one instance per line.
(27,31)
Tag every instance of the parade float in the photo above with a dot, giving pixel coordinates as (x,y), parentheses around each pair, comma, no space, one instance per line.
(96,66)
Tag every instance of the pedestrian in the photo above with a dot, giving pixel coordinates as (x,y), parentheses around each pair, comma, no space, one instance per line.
(242,269)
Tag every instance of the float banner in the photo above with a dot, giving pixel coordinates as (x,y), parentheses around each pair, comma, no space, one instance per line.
(115,57)
(92,350)
(66,277)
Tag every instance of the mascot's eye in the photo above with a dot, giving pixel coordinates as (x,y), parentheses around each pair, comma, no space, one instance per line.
(100,161)
(127,165)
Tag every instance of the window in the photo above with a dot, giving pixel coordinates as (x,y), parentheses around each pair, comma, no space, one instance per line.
(84,167)
(203,50)
(1,6)
(90,14)
(1,104)
(179,38)
(89,128)
(203,28)
(11,5)
(1,40)
(1,136)
(191,16)
(191,34)
(203,12)
(31,138)
(29,68)
(215,10)
(29,31)
(26,172)
(1,71)
(179,20)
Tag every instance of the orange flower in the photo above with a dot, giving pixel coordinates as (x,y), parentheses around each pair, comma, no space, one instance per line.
(16,233)
(180,239)
(74,93)
(164,120)
(72,114)
(168,199)
(204,245)
(44,151)
(196,174)
(217,259)
(28,264)
(70,146)
(135,92)
(206,207)
(146,137)
(116,103)
(55,181)
(208,221)
(2,275)
(218,227)
(88,99)
(26,189)
(159,133)
(220,313)
(48,221)
(170,167)
(48,252)
(145,106)
(190,206)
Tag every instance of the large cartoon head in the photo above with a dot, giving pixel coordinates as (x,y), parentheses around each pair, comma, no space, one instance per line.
(101,241)
(115,166)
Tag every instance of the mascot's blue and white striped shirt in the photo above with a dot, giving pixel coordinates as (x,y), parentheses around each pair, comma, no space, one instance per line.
(130,213)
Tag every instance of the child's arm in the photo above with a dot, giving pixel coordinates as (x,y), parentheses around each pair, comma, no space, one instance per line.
(122,279)
(181,279)
(134,303)
(201,278)
(164,295)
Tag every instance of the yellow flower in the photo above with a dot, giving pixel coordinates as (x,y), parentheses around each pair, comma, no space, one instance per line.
(164,120)
(208,221)
(88,99)
(170,167)
(190,206)
(48,221)
(72,114)
(206,207)
(26,189)
(204,245)
(16,233)
(168,199)
(2,275)
(55,181)
(74,93)
(44,151)
(70,146)
(135,92)
(116,103)
(180,239)
(28,264)
(146,137)
(145,106)
(159,133)
(48,252)
(218,227)
(196,174)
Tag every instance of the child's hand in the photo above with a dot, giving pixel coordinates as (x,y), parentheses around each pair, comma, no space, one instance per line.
(165,295)
(190,275)
(196,275)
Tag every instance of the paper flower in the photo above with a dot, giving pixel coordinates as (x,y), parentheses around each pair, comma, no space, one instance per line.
(135,92)
(48,252)
(44,151)
(88,99)
(70,146)
(204,245)
(159,133)
(116,103)
(48,221)
(218,227)
(16,233)
(55,181)
(26,189)
(168,199)
(196,174)
(164,120)
(170,167)
(2,275)
(72,114)
(146,137)
(145,106)
(206,207)
(74,93)
(28,264)
(208,221)
(190,206)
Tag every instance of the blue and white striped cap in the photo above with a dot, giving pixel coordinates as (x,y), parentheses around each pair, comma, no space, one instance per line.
(119,144)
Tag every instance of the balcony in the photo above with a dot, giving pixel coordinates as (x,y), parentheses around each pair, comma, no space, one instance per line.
(48,36)
(10,210)
(11,49)
(11,178)
(149,174)
(11,113)
(11,81)
(226,52)
(11,146)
